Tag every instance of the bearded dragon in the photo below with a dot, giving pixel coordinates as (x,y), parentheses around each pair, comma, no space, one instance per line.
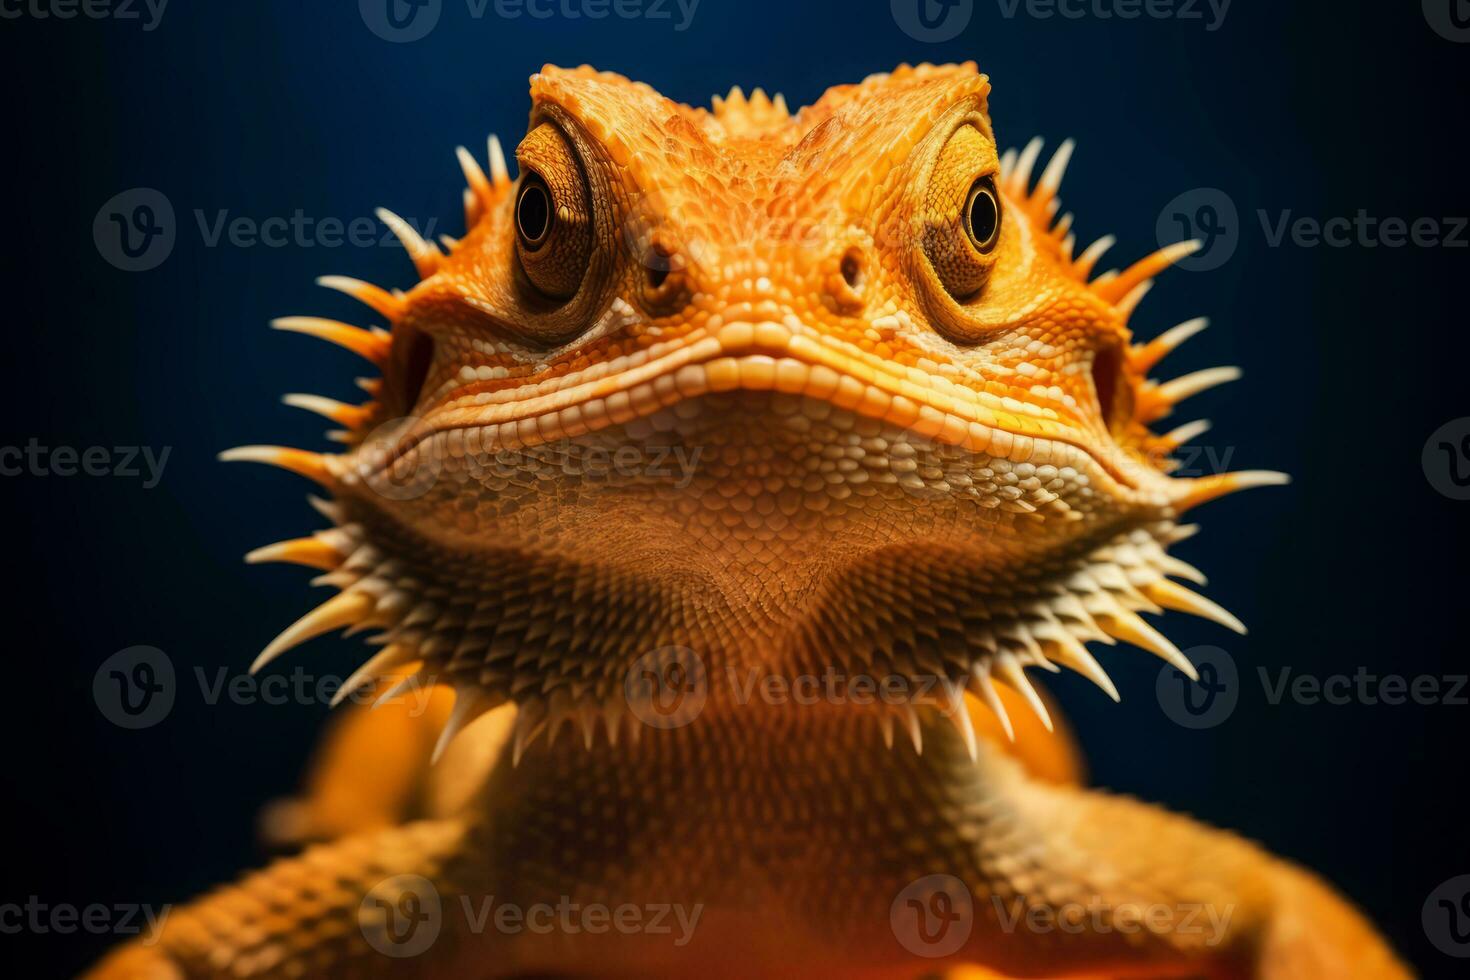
(917,459)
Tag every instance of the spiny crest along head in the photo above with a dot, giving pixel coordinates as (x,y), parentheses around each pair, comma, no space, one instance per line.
(826,384)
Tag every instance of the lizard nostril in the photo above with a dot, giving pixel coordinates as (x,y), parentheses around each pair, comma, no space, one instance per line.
(846,287)
(663,276)
(852,270)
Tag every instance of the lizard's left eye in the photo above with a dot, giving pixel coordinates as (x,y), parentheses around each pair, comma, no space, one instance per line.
(982,215)
(553,214)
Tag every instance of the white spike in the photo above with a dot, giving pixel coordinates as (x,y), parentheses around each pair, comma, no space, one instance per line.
(911,722)
(471,208)
(1129,302)
(341,610)
(473,175)
(986,689)
(1051,177)
(1170,565)
(885,722)
(1007,163)
(1011,671)
(498,171)
(558,713)
(612,718)
(1130,628)
(388,659)
(469,704)
(1172,595)
(587,721)
(404,684)
(530,721)
(1072,653)
(1187,432)
(327,408)
(1096,250)
(1190,385)
(959,716)
(1170,339)
(424,255)
(1024,164)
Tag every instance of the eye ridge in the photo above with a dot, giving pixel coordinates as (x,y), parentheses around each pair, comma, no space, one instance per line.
(982,215)
(534,213)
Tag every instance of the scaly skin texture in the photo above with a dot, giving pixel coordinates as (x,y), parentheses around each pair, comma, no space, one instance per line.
(703,404)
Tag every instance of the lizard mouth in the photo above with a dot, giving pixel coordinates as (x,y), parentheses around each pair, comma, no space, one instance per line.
(486,418)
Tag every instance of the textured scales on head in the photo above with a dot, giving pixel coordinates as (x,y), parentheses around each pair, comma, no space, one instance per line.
(919,426)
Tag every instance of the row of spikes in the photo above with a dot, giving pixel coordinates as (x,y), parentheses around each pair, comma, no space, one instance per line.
(427,638)
(1124,291)
(373,344)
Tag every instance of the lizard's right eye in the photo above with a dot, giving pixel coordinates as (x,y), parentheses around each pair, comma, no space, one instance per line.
(533,213)
(553,216)
(962,214)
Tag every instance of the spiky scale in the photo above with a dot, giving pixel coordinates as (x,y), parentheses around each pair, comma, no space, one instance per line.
(380,665)
(469,704)
(379,299)
(313,466)
(985,688)
(1130,628)
(343,609)
(314,552)
(1144,269)
(1172,595)
(369,345)
(426,257)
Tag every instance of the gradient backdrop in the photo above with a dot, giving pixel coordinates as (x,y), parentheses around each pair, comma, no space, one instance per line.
(1354,356)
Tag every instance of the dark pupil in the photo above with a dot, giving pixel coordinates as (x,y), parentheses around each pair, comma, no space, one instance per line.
(533,214)
(984,217)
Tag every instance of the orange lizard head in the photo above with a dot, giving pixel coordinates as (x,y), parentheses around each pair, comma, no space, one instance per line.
(795,389)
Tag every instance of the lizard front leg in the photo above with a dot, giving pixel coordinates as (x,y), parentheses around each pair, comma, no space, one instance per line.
(344,909)
(1073,882)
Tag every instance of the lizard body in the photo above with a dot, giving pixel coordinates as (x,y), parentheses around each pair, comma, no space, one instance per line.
(709,398)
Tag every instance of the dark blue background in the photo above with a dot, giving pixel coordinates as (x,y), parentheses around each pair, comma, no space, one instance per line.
(1353,357)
